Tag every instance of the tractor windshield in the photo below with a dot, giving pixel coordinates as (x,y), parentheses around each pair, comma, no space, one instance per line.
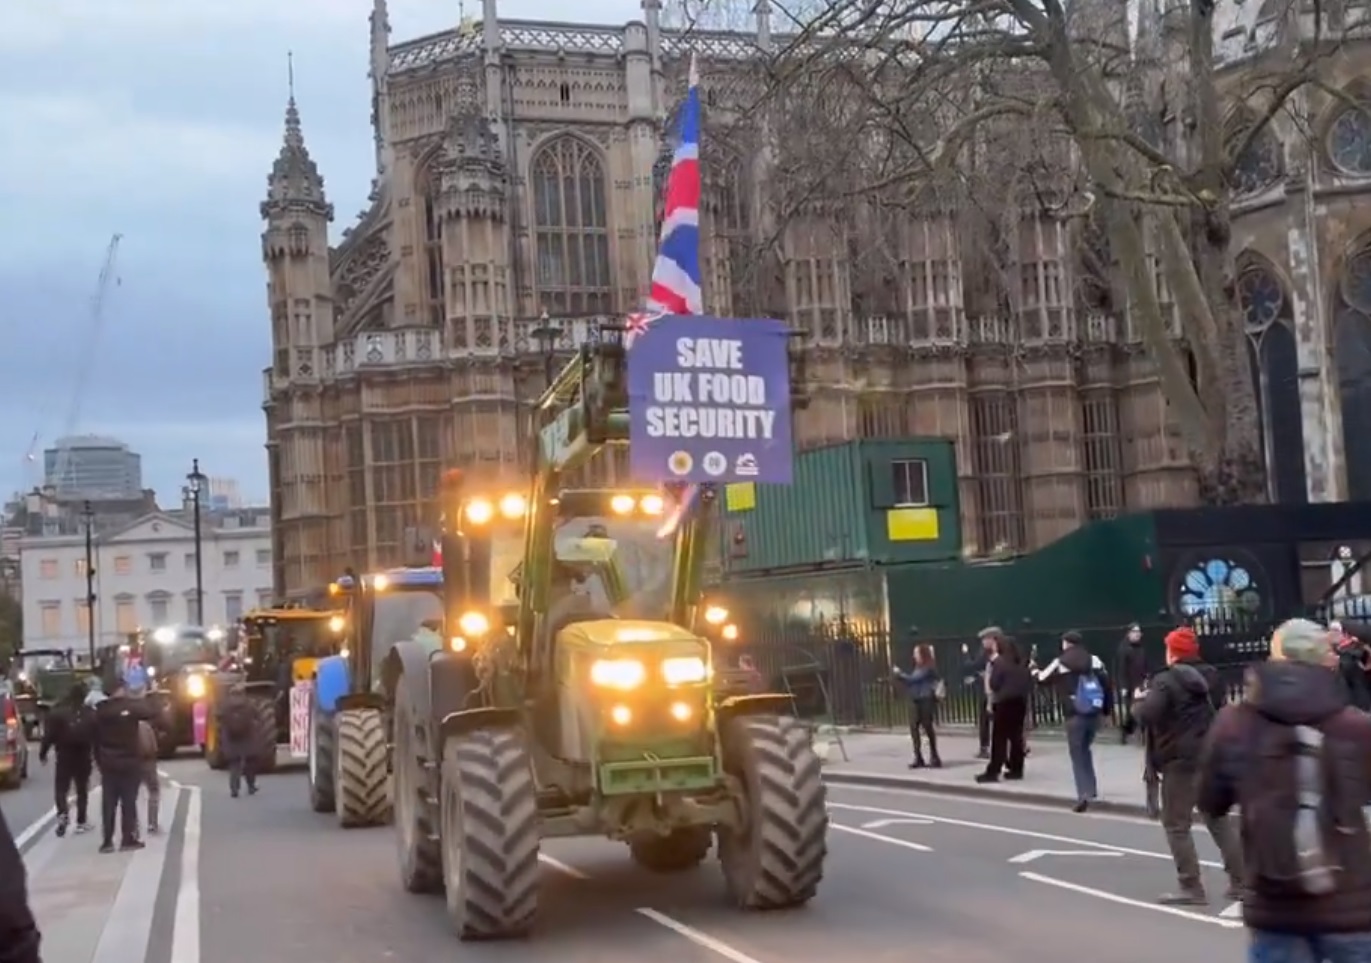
(169,652)
(620,562)
(301,637)
(397,614)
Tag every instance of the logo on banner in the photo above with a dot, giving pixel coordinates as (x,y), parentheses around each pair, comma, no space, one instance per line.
(710,401)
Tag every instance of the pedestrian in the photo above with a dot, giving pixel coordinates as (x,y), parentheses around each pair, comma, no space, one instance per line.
(19,936)
(1295,758)
(1130,673)
(152,782)
(237,728)
(1178,709)
(1083,691)
(1011,687)
(119,754)
(1354,662)
(975,670)
(923,686)
(70,735)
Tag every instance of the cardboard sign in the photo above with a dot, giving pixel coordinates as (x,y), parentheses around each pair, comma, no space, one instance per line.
(199,716)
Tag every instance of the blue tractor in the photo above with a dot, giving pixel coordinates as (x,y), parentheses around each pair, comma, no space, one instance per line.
(350,726)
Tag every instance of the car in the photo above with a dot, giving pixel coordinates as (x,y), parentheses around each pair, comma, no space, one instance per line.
(14,744)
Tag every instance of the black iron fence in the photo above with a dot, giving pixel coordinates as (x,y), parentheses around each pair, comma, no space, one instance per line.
(842,673)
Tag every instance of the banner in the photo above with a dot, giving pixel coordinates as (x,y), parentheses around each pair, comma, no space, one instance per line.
(709,401)
(299,719)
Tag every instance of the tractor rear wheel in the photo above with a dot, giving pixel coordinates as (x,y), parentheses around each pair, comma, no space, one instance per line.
(362,776)
(681,849)
(490,834)
(776,857)
(321,756)
(421,861)
(264,731)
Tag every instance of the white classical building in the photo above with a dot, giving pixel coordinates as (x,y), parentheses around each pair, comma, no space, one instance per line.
(144,576)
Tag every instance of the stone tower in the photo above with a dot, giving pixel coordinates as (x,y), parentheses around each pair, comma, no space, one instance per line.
(296,253)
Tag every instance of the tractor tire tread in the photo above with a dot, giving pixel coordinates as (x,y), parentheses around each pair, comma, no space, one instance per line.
(362,774)
(421,860)
(492,889)
(264,731)
(779,861)
(322,797)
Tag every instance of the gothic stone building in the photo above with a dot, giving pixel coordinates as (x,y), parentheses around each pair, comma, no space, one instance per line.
(515,201)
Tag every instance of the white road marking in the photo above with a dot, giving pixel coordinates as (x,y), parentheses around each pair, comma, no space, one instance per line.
(1014,831)
(883,823)
(881,837)
(1135,903)
(1233,912)
(40,824)
(185,936)
(129,927)
(1033,854)
(556,864)
(695,936)
(1006,802)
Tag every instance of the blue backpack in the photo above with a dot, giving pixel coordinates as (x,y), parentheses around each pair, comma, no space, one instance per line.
(1089,697)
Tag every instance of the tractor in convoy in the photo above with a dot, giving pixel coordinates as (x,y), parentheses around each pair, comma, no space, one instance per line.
(39,678)
(180,662)
(276,654)
(571,693)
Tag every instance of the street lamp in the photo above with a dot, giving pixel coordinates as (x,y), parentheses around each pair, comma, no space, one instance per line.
(195,484)
(88,516)
(546,334)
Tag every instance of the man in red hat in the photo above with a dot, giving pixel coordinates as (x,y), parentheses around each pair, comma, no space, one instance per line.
(1178,708)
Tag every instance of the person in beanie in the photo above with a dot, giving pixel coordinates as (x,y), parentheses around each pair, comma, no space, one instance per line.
(1295,758)
(1130,672)
(1085,696)
(69,733)
(1177,710)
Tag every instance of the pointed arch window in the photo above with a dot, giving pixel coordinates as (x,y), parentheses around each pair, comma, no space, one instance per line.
(429,187)
(1349,141)
(1352,349)
(1258,166)
(1270,330)
(571,229)
(730,218)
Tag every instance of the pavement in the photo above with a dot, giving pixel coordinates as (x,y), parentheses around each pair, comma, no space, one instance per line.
(881,759)
(264,880)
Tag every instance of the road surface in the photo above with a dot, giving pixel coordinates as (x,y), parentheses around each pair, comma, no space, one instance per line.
(261,880)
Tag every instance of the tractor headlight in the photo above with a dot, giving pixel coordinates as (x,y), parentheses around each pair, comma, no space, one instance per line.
(684,670)
(618,673)
(729,633)
(622,504)
(195,686)
(473,624)
(480,511)
(716,615)
(336,624)
(652,505)
(513,505)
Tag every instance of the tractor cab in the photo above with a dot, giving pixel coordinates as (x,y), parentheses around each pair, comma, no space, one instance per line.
(178,663)
(39,679)
(383,608)
(284,644)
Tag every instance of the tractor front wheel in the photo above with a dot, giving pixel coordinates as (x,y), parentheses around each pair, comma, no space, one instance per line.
(421,862)
(321,756)
(776,857)
(264,732)
(490,834)
(679,850)
(362,773)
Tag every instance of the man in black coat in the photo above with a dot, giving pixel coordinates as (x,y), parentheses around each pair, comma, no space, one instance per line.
(976,675)
(19,937)
(237,723)
(1130,672)
(69,732)
(119,754)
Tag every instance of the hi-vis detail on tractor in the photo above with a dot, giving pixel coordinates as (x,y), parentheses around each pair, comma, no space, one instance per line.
(555,677)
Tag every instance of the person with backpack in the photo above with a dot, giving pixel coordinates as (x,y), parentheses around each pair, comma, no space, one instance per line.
(1295,758)
(237,729)
(70,734)
(1177,712)
(19,936)
(1084,693)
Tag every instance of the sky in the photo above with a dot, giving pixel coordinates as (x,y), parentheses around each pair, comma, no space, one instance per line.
(158,120)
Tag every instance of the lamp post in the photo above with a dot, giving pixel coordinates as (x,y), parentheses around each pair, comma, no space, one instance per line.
(195,483)
(546,334)
(88,516)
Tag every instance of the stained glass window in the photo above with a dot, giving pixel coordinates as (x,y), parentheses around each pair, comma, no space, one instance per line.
(1218,588)
(1258,165)
(1261,297)
(571,225)
(1349,141)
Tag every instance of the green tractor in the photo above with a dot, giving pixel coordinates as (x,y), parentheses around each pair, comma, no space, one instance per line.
(575,695)
(41,678)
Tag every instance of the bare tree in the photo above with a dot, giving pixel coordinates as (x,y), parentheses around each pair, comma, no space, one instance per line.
(1008,104)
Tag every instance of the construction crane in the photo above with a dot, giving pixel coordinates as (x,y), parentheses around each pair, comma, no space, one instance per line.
(85,360)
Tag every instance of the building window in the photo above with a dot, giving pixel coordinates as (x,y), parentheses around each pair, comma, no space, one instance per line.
(125,615)
(230,560)
(82,617)
(47,568)
(190,561)
(123,564)
(264,598)
(157,561)
(571,230)
(1100,436)
(160,606)
(393,486)
(80,568)
(52,619)
(909,478)
(264,556)
(996,464)
(233,606)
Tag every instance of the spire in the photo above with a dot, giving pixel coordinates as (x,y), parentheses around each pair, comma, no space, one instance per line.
(294,182)
(380,42)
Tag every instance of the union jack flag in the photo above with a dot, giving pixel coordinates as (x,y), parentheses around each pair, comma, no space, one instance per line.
(676,273)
